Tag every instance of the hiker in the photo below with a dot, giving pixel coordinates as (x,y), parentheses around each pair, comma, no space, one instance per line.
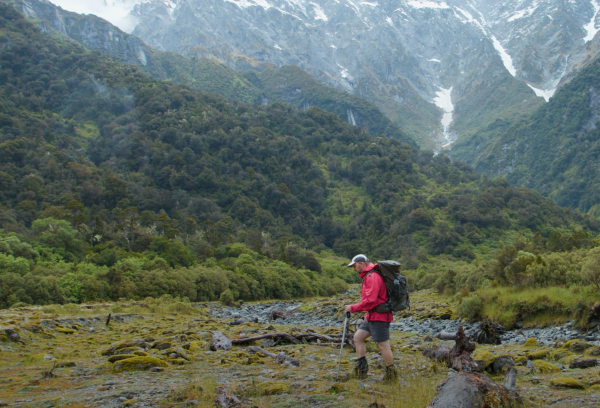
(376,325)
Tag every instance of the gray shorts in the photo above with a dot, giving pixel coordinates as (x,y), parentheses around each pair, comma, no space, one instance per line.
(380,331)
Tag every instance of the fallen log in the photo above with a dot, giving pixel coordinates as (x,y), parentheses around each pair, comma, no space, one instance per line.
(475,390)
(445,336)
(286,336)
(280,358)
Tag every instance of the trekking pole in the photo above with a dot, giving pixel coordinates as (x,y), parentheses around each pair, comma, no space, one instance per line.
(343,340)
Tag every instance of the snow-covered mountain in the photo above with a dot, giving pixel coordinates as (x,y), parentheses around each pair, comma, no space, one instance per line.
(475,60)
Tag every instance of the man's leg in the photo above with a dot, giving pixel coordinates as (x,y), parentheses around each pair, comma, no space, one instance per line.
(386,352)
(359,342)
(362,367)
(391,374)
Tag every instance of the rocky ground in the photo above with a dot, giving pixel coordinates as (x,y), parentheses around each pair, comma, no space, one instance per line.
(158,356)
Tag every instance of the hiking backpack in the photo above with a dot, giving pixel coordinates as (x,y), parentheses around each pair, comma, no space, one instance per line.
(396,286)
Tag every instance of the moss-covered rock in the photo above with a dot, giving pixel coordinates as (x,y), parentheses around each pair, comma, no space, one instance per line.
(130,403)
(538,354)
(272,387)
(118,357)
(113,348)
(531,342)
(177,361)
(65,330)
(543,367)
(567,382)
(520,360)
(576,346)
(560,354)
(138,363)
(594,351)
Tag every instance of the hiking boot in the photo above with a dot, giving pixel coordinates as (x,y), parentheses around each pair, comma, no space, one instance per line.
(361,368)
(391,374)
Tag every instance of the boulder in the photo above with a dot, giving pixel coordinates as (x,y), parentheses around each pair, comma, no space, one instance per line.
(500,364)
(131,345)
(543,367)
(220,342)
(583,364)
(531,342)
(567,382)
(473,390)
(439,353)
(13,335)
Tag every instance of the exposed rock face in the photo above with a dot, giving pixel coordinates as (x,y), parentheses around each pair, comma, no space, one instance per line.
(473,390)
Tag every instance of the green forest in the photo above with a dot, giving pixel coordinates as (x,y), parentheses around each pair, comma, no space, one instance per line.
(117,185)
(554,150)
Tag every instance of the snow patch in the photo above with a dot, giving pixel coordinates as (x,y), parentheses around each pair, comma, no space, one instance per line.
(506,59)
(389,21)
(421,4)
(546,94)
(524,13)
(319,13)
(591,26)
(278,47)
(434,60)
(249,3)
(443,100)
(117,12)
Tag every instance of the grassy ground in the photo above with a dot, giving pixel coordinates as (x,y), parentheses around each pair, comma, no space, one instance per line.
(76,337)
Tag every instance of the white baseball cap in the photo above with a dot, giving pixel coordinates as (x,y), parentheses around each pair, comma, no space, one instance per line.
(359,258)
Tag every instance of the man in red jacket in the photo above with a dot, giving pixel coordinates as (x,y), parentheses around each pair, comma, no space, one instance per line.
(376,325)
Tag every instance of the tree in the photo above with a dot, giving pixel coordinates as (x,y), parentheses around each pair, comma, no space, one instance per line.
(60,237)
(591,267)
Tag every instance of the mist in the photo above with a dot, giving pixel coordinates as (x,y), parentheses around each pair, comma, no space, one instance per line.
(115,11)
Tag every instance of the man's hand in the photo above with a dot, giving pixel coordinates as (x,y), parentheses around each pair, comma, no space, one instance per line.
(347,308)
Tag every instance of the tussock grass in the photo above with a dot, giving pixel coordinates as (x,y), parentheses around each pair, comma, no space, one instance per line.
(537,306)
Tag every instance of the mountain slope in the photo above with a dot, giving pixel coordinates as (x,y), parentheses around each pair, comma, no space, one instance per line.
(140,166)
(556,149)
(203,73)
(399,57)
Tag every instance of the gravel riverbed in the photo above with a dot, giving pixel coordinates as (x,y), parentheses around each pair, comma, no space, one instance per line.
(330,317)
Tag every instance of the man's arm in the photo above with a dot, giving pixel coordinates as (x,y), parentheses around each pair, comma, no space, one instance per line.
(372,286)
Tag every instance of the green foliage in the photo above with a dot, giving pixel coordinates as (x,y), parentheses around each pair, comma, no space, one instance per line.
(471,307)
(226,298)
(553,150)
(116,186)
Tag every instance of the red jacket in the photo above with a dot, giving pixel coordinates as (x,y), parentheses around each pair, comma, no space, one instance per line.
(373,293)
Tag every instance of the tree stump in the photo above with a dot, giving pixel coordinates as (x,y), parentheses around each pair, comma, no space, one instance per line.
(460,355)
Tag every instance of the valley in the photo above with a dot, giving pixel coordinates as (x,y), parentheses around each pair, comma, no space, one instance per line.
(76,341)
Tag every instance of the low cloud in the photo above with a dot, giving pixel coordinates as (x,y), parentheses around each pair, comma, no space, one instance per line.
(115,11)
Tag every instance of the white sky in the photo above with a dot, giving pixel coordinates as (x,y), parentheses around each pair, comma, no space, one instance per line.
(115,11)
